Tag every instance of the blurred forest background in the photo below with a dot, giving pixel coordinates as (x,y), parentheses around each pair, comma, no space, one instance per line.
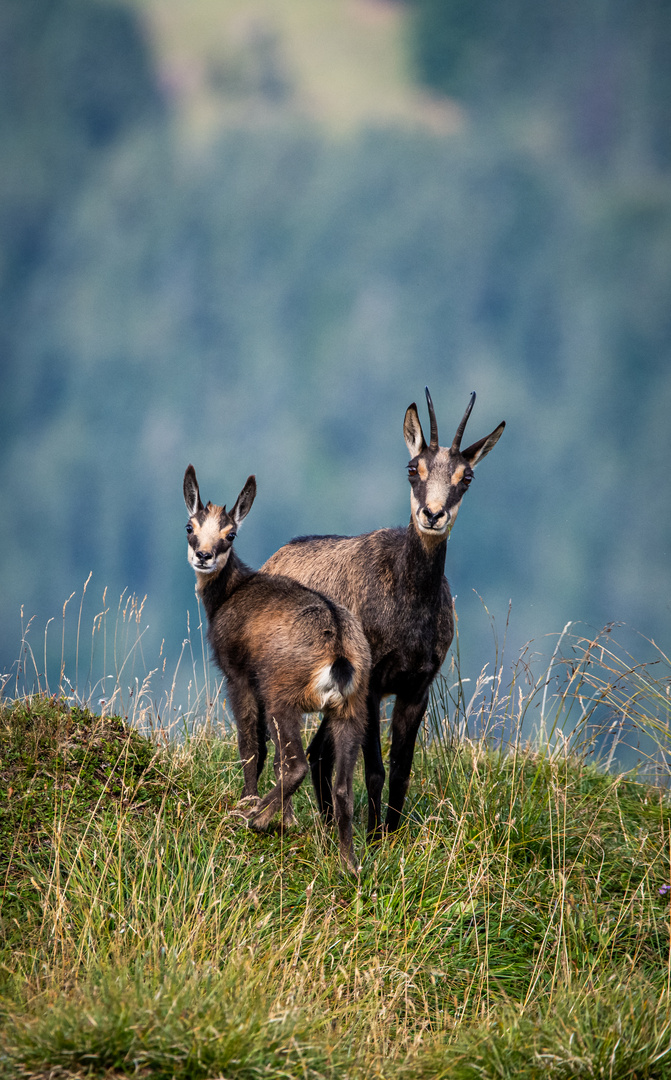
(247,234)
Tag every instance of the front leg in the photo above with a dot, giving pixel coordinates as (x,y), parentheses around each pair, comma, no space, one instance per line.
(250,730)
(405,720)
(320,755)
(346,738)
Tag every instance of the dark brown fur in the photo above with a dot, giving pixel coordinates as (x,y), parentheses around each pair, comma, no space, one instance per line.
(393,580)
(285,650)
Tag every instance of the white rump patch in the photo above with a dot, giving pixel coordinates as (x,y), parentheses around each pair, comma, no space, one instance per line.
(327,689)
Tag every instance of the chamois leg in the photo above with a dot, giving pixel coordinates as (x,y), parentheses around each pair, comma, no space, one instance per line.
(321,758)
(288,816)
(251,734)
(290,764)
(374,766)
(346,740)
(262,737)
(261,741)
(405,721)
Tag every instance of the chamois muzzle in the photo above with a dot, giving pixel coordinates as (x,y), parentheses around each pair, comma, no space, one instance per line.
(436,520)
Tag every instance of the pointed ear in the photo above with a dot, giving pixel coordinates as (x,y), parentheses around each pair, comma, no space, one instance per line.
(191,492)
(412,432)
(479,449)
(244,501)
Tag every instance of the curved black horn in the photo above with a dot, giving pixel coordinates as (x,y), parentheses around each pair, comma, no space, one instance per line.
(433,445)
(456,442)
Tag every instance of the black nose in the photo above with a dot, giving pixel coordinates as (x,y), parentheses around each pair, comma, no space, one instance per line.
(204,555)
(432,518)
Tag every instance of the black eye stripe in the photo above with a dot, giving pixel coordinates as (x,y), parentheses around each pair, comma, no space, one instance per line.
(440,477)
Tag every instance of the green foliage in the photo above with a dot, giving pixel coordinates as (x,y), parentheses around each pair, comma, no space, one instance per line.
(274,303)
(598,68)
(172,1024)
(267,313)
(76,77)
(517,925)
(274,306)
(60,766)
(610,1031)
(448,39)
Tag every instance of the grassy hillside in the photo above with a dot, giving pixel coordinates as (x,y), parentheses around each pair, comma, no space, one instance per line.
(516,926)
(341,64)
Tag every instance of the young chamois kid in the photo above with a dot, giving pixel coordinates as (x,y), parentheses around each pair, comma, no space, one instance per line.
(285,650)
(394,581)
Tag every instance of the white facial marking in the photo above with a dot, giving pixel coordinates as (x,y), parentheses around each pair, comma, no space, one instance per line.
(432,518)
(207,537)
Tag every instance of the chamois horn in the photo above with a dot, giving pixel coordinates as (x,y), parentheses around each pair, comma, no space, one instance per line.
(433,445)
(456,442)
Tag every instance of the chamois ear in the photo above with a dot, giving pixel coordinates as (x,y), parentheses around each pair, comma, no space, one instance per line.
(244,501)
(479,449)
(191,492)
(412,432)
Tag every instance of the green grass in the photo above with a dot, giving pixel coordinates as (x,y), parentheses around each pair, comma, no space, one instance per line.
(516,926)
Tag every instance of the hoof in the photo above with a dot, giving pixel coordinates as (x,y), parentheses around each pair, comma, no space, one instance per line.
(377,835)
(260,820)
(350,865)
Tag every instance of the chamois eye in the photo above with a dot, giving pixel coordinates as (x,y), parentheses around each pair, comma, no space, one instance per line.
(412,470)
(467,479)
(231,536)
(189,528)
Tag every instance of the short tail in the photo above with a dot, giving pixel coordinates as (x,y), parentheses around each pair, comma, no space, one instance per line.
(342,674)
(336,681)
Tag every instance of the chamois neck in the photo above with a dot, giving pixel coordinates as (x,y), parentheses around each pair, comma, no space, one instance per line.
(215,591)
(425,563)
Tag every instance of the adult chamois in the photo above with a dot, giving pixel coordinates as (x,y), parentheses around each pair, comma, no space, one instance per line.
(285,650)
(393,580)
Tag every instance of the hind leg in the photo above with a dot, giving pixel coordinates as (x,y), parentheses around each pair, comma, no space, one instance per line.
(346,740)
(290,763)
(288,816)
